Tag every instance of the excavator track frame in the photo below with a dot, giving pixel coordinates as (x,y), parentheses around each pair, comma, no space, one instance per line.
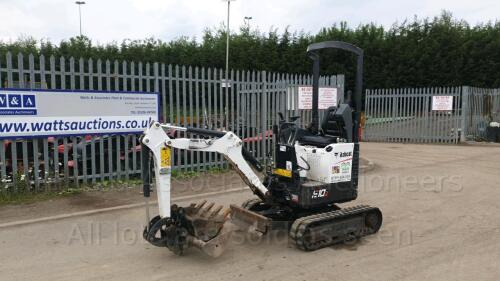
(322,229)
(325,229)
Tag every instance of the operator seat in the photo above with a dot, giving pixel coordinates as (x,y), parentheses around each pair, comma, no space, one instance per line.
(336,123)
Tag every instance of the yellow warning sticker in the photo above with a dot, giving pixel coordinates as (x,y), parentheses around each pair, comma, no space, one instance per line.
(283,172)
(165,157)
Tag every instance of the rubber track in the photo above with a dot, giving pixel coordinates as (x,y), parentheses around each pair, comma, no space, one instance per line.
(300,225)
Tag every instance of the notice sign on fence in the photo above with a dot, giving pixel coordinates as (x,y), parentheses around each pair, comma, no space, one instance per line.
(34,113)
(327,96)
(442,103)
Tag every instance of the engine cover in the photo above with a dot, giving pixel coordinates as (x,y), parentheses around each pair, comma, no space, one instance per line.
(331,164)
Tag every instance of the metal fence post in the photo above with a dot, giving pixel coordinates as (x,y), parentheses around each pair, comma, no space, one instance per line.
(263,114)
(464,113)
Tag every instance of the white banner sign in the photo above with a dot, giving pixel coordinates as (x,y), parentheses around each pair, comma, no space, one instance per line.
(327,97)
(442,103)
(32,113)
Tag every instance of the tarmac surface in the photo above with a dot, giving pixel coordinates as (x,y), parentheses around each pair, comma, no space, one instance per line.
(441,222)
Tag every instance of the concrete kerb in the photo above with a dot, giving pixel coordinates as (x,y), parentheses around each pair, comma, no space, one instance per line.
(116,208)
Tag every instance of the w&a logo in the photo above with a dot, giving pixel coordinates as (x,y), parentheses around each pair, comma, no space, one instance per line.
(17,101)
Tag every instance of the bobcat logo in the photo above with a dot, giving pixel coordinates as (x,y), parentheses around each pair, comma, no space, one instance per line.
(345,154)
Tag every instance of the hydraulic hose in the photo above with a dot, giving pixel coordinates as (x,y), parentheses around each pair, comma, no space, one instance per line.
(146,171)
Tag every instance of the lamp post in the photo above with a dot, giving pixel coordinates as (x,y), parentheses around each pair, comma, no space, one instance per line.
(227,37)
(80,3)
(247,21)
(227,83)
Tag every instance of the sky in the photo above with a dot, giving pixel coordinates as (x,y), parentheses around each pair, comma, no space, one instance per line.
(114,20)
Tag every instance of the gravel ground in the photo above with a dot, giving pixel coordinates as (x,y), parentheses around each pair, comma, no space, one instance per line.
(441,222)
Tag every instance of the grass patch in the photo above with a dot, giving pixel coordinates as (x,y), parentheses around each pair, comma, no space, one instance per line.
(180,175)
(10,196)
(24,197)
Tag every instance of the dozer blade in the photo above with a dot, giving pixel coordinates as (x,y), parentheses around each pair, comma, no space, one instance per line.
(247,220)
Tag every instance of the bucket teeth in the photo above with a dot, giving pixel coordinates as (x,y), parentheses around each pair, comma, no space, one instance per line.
(216,211)
(207,210)
(200,205)
(226,214)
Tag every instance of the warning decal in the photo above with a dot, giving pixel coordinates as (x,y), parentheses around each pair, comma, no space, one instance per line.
(342,167)
(165,157)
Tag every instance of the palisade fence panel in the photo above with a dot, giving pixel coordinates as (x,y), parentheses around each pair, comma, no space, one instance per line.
(406,115)
(189,96)
(483,108)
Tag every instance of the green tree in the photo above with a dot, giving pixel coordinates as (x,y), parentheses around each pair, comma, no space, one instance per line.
(442,51)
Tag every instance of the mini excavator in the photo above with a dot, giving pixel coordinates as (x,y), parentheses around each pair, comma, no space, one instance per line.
(313,170)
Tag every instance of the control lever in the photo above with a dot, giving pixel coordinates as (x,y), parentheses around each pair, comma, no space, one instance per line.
(281,116)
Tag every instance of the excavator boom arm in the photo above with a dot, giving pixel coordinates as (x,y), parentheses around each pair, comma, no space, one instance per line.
(225,143)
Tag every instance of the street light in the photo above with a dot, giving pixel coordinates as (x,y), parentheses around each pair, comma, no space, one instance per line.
(80,3)
(227,38)
(247,21)
(227,83)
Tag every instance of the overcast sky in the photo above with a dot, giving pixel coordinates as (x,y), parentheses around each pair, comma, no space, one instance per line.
(108,20)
